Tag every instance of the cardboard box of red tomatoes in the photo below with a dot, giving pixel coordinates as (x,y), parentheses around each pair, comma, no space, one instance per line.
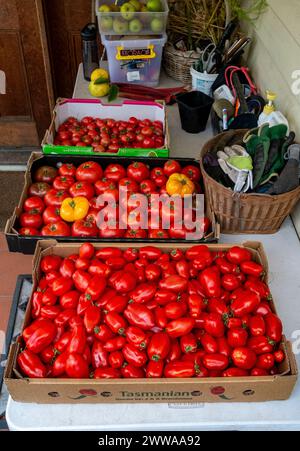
(119,139)
(155,390)
(26,244)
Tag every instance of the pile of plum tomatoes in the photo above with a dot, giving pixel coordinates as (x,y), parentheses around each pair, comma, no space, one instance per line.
(109,135)
(143,313)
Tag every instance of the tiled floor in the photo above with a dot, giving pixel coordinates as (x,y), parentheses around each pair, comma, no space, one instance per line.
(11,265)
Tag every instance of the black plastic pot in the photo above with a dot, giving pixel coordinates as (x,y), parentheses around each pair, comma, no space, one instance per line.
(194,110)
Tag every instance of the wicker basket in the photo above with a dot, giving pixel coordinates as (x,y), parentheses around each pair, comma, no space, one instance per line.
(177,63)
(245,213)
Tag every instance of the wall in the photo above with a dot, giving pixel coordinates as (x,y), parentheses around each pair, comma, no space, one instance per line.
(275,63)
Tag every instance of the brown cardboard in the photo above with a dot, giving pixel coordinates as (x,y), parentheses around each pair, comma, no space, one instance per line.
(11,232)
(52,391)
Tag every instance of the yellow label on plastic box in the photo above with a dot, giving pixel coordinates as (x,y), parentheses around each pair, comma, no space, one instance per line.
(135,54)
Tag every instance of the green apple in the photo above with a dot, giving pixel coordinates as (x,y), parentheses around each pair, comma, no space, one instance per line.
(136,4)
(104,9)
(154,5)
(127,11)
(135,26)
(106,23)
(120,26)
(157,25)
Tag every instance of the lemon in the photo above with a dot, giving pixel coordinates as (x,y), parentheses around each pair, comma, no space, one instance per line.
(99,90)
(97,73)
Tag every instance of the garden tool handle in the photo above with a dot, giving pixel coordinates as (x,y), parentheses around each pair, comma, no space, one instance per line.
(221,44)
(239,91)
(244,70)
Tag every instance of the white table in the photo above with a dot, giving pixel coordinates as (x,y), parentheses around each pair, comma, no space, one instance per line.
(283,251)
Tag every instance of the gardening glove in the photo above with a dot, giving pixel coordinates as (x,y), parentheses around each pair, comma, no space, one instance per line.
(258,148)
(262,130)
(289,177)
(279,145)
(237,164)
(213,169)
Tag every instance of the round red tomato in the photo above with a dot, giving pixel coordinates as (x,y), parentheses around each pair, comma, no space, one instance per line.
(51,214)
(84,228)
(92,215)
(138,233)
(158,234)
(138,171)
(156,172)
(67,170)
(113,148)
(34,203)
(114,172)
(147,187)
(87,120)
(171,166)
(39,189)
(159,141)
(99,148)
(45,174)
(29,231)
(131,185)
(175,233)
(31,219)
(111,233)
(244,358)
(63,182)
(55,197)
(59,228)
(148,143)
(89,172)
(161,181)
(192,172)
(102,185)
(84,189)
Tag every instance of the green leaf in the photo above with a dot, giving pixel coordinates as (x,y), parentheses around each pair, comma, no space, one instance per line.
(113,93)
(101,81)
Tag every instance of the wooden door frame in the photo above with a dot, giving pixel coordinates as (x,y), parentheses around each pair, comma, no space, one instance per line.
(28,131)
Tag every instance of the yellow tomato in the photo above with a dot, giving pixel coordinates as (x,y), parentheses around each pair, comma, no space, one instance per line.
(179,184)
(74,208)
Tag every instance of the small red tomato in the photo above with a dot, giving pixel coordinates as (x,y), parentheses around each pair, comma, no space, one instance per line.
(171,166)
(51,214)
(29,231)
(237,337)
(244,358)
(67,170)
(89,171)
(138,172)
(34,203)
(192,172)
(63,182)
(279,356)
(265,361)
(31,219)
(82,189)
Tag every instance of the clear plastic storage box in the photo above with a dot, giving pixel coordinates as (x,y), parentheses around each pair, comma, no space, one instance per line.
(131,22)
(134,60)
